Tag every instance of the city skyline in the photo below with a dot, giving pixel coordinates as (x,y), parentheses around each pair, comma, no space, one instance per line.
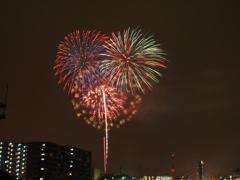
(192,112)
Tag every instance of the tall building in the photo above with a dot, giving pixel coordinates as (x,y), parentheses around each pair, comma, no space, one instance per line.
(45,161)
(13,157)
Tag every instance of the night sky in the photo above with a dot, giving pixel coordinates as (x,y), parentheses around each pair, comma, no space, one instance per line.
(193,112)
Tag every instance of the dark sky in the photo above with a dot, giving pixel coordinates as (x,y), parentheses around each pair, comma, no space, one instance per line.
(193,112)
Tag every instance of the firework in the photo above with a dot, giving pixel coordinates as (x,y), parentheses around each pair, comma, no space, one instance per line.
(132,61)
(121,107)
(91,105)
(78,59)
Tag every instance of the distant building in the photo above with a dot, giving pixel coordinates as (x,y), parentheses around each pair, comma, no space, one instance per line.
(236,174)
(95,174)
(45,161)
(118,177)
(156,178)
(123,177)
(13,157)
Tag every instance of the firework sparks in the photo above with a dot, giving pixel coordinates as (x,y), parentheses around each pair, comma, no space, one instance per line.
(132,61)
(93,103)
(78,59)
(121,107)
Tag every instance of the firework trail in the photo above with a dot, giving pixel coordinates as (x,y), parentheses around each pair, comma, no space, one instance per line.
(132,61)
(105,105)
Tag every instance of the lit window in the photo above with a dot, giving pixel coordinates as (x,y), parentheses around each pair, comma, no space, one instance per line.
(42,154)
(42,149)
(1,142)
(42,169)
(41,178)
(70,174)
(17,174)
(10,163)
(10,171)
(43,144)
(23,163)
(10,143)
(71,153)
(71,161)
(0,151)
(42,159)
(0,147)
(71,149)
(17,170)
(71,165)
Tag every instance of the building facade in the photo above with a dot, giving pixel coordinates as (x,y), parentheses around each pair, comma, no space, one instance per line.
(45,161)
(13,158)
